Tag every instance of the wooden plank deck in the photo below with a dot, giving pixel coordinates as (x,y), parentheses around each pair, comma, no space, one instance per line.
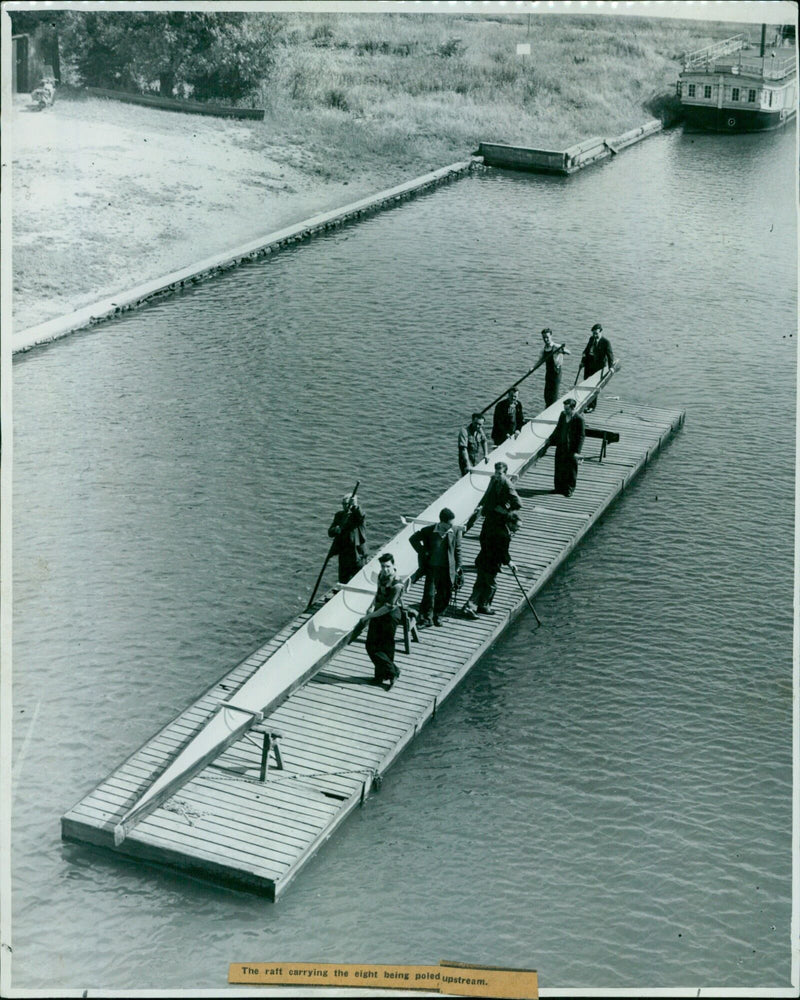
(338,732)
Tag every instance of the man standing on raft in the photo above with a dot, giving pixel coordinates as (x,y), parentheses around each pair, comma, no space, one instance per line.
(508,418)
(494,553)
(552,357)
(384,616)
(472,441)
(439,549)
(568,438)
(597,355)
(498,501)
(349,539)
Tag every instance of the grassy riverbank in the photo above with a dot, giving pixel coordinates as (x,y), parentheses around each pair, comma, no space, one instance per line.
(451,80)
(108,195)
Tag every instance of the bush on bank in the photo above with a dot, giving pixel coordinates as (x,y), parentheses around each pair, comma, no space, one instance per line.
(207,55)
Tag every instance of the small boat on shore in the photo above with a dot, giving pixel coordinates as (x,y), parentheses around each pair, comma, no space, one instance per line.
(735,87)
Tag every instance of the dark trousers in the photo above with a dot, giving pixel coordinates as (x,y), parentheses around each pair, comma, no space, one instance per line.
(380,647)
(565,474)
(349,565)
(484,589)
(587,371)
(552,388)
(492,523)
(438,591)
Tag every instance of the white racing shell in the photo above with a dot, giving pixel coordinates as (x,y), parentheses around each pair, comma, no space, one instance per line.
(330,627)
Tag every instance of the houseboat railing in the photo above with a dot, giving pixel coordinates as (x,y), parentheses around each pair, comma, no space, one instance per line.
(770,69)
(764,69)
(696,59)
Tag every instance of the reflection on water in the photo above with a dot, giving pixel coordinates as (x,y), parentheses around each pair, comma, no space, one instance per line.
(606,798)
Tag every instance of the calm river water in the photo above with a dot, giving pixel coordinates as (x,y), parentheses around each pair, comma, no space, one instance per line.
(607,799)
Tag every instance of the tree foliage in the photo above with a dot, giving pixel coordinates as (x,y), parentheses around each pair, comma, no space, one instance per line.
(216,54)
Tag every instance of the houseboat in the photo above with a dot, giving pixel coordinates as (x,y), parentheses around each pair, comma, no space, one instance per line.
(735,87)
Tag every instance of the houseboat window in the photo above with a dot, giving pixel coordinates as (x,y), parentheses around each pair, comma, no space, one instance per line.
(751,96)
(735,94)
(706,92)
(692,89)
(770,98)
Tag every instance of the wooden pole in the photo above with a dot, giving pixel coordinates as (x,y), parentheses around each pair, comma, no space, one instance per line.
(514,386)
(327,557)
(533,609)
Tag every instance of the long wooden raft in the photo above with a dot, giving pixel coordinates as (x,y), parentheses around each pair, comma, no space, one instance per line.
(339,734)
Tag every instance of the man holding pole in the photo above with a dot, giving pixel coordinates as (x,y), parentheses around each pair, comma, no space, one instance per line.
(552,357)
(597,355)
(349,539)
(508,418)
(498,501)
(493,555)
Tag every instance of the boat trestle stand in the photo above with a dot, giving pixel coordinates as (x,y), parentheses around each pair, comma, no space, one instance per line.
(607,437)
(271,739)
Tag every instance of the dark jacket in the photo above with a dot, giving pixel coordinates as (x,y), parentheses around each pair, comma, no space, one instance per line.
(347,532)
(507,420)
(500,498)
(569,436)
(391,594)
(597,355)
(421,542)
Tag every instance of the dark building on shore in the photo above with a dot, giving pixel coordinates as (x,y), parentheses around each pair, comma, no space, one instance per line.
(34,54)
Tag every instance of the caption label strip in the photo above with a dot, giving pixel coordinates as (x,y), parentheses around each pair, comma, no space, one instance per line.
(452,978)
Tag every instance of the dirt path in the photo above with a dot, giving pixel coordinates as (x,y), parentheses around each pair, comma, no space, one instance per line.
(107,195)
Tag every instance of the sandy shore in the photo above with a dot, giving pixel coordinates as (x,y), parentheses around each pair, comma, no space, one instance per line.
(107,195)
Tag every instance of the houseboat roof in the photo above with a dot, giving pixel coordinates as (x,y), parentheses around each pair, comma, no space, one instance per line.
(737,56)
(775,64)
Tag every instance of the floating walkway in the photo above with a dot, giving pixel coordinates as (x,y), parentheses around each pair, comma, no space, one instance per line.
(564,161)
(256,813)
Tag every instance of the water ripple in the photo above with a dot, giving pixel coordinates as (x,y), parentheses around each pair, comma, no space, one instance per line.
(607,798)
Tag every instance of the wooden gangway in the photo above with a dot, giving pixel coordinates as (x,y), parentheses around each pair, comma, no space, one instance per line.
(246,821)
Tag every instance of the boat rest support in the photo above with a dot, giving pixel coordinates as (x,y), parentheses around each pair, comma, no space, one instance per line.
(606,437)
(271,740)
